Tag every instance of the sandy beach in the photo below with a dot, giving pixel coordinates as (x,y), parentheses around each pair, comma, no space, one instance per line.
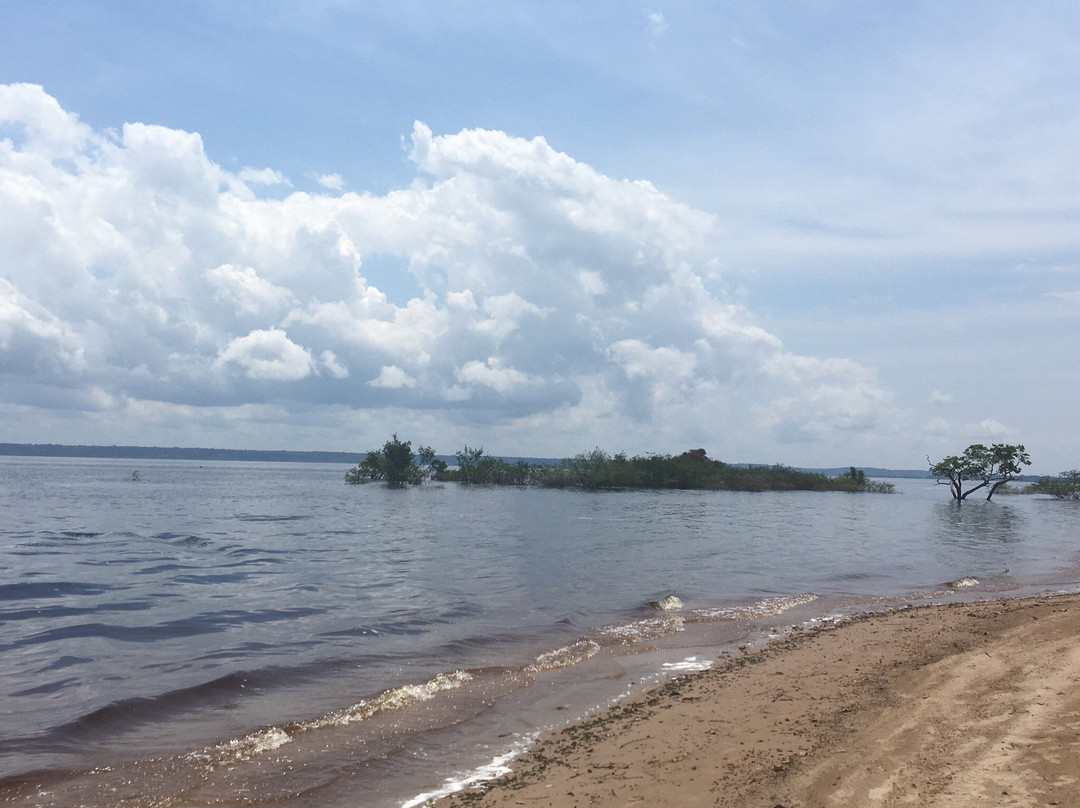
(967,704)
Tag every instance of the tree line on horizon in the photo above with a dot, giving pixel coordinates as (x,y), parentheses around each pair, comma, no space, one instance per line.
(396,464)
(979,467)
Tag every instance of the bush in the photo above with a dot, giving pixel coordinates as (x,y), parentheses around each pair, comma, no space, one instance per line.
(396,465)
(1065,486)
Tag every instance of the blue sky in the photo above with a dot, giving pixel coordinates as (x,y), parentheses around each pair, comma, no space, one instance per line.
(817,233)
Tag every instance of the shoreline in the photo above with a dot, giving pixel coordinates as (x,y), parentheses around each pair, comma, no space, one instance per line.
(967,703)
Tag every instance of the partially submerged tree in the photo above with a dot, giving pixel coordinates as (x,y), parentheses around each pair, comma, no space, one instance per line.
(1065,486)
(396,465)
(986,467)
(474,467)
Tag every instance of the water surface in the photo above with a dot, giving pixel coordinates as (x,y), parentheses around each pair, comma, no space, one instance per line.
(202,630)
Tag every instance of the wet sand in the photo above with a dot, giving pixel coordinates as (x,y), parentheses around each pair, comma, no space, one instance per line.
(968,704)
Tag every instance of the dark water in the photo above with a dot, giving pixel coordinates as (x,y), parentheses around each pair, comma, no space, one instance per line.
(183,634)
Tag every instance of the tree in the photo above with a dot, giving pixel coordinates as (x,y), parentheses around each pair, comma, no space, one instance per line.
(396,465)
(857,476)
(992,467)
(1065,486)
(474,468)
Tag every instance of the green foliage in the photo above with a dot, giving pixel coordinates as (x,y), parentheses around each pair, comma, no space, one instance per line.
(1065,486)
(596,470)
(396,465)
(856,480)
(693,469)
(476,468)
(992,466)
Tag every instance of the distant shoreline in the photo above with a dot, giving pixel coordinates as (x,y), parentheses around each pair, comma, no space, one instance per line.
(175,453)
(287,456)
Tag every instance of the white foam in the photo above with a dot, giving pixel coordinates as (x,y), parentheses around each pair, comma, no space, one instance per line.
(767,607)
(490,771)
(963,583)
(237,750)
(670,603)
(647,629)
(399,697)
(564,657)
(687,665)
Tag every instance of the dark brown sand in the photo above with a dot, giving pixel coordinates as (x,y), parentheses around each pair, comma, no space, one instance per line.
(971,704)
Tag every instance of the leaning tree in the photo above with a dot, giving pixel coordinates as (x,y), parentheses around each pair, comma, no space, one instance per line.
(985,467)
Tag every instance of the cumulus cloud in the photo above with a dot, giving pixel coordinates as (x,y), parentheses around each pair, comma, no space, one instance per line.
(392,377)
(268,354)
(332,182)
(32,340)
(556,307)
(492,374)
(243,287)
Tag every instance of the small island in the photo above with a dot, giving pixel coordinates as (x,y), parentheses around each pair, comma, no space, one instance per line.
(597,470)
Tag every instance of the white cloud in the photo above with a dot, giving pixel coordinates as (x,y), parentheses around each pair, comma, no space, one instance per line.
(492,373)
(556,306)
(392,377)
(461,300)
(48,128)
(31,338)
(504,313)
(332,182)
(334,365)
(657,24)
(989,430)
(269,355)
(263,176)
(640,361)
(243,287)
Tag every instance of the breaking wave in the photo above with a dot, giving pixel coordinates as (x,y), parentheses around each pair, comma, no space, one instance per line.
(767,607)
(564,657)
(238,750)
(650,628)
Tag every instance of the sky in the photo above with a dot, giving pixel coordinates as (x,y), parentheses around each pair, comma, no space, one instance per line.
(815,233)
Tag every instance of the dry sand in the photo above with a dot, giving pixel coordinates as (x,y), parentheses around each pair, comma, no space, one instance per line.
(970,704)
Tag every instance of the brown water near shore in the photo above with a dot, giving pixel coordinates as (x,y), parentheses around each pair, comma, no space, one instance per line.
(967,704)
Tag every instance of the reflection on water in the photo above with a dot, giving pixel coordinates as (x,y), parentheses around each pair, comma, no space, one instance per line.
(979,524)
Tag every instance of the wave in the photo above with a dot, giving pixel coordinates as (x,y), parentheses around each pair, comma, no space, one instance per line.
(688,665)
(268,739)
(670,603)
(209,623)
(395,699)
(498,767)
(49,589)
(962,583)
(650,628)
(767,607)
(237,750)
(572,654)
(255,517)
(125,715)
